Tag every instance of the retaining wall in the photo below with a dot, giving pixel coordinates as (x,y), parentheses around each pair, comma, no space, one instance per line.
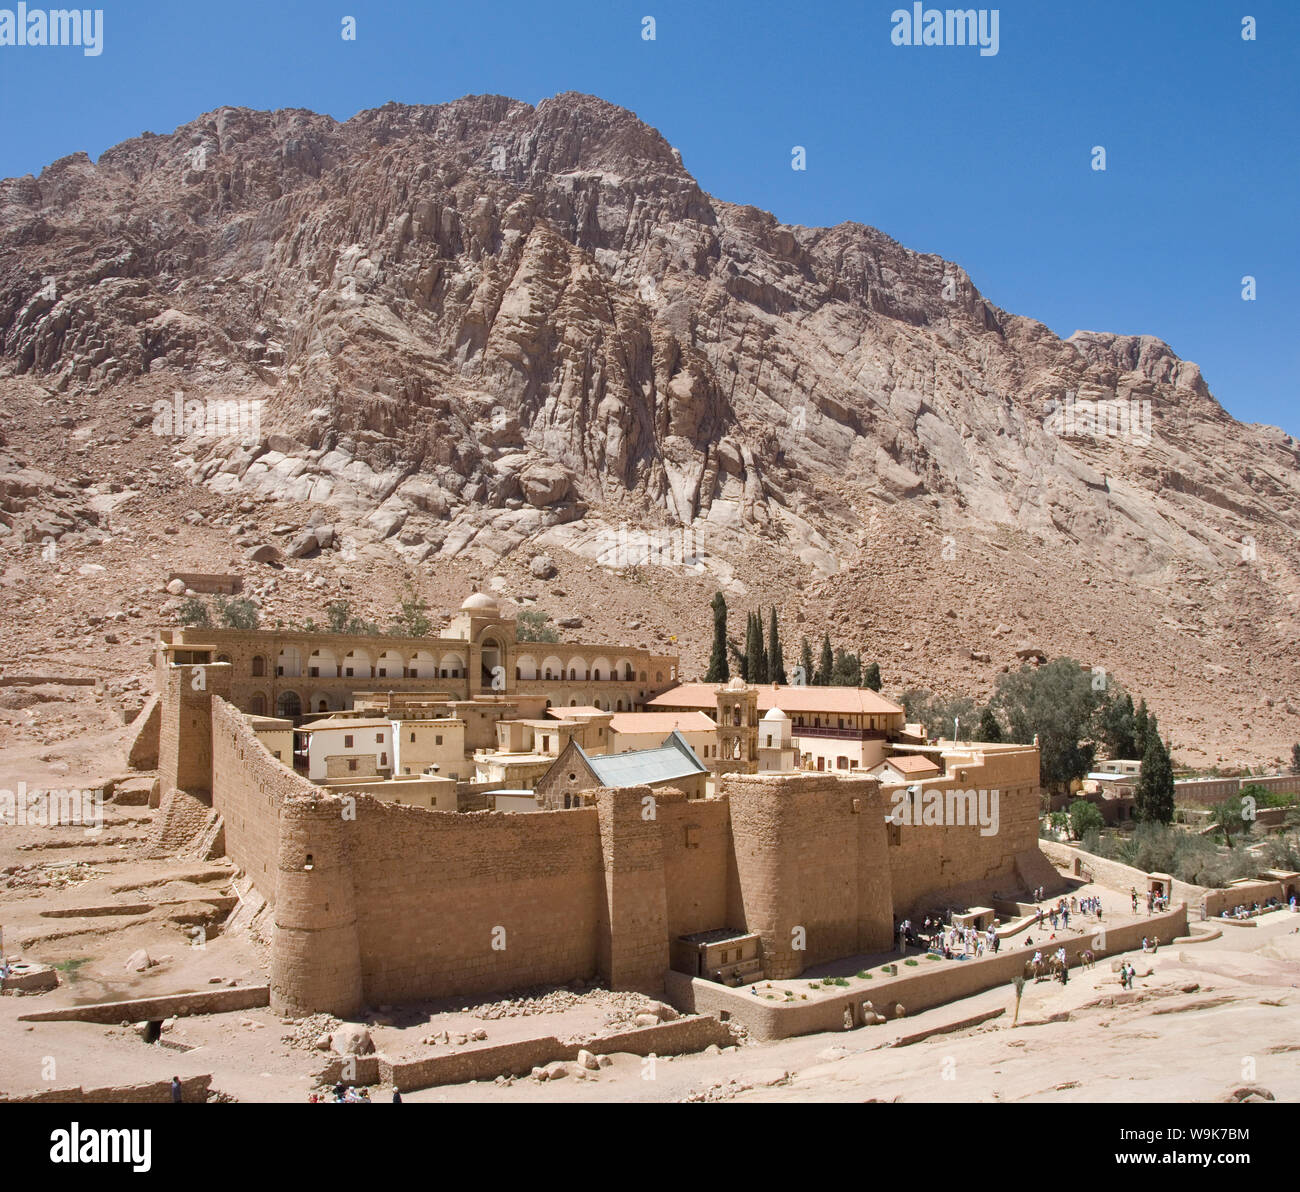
(931,983)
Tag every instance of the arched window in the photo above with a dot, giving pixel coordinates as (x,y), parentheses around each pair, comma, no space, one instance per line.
(259,666)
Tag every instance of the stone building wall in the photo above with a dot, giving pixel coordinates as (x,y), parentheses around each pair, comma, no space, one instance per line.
(449,903)
(929,860)
(810,852)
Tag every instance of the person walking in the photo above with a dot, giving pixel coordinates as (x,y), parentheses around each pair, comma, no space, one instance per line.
(177,1092)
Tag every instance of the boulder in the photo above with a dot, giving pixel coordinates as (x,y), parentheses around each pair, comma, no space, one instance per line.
(138,961)
(587,1060)
(544,484)
(265,553)
(352,1039)
(543,567)
(304,543)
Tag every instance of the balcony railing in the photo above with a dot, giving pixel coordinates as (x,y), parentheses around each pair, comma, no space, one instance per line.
(839,734)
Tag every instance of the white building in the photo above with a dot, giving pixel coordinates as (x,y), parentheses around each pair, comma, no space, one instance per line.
(339,748)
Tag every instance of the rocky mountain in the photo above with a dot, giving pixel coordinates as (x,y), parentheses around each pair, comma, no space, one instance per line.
(467,335)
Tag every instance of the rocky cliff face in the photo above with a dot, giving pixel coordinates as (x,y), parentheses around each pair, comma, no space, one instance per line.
(484,328)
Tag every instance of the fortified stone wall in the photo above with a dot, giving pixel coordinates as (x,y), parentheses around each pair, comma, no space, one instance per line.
(449,903)
(185,731)
(377,902)
(957,862)
(249,786)
(813,872)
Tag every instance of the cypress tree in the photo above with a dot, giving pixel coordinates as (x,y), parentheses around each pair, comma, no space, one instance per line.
(806,663)
(752,653)
(764,658)
(719,667)
(775,660)
(825,664)
(871,677)
(1140,728)
(990,730)
(1153,801)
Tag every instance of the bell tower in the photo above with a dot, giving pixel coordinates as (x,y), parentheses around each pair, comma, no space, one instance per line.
(737,728)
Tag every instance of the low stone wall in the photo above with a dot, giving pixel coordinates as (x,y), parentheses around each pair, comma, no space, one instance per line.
(352,1069)
(208,1001)
(194,1089)
(521,1057)
(1218,901)
(142,750)
(931,983)
(1116,874)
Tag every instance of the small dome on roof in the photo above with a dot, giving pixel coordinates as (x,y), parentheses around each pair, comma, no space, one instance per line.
(736,684)
(480,602)
(775,714)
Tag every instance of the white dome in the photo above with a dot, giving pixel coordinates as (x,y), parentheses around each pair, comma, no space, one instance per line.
(480,602)
(775,714)
(736,684)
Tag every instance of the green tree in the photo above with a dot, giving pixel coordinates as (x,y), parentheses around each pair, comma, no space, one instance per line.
(1054,703)
(1295,758)
(1084,817)
(916,702)
(719,666)
(240,613)
(775,658)
(339,613)
(1117,723)
(871,676)
(194,612)
(1140,728)
(532,627)
(759,669)
(989,728)
(846,670)
(1153,800)
(412,620)
(1235,814)
(749,663)
(805,664)
(825,664)
(944,717)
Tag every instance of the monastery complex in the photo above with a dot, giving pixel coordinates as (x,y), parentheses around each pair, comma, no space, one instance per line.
(473,813)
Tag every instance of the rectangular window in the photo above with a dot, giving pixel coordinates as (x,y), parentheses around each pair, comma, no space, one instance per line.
(379,738)
(352,763)
(436,740)
(347,741)
(412,738)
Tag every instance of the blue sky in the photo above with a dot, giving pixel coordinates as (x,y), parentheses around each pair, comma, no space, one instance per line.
(983,159)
